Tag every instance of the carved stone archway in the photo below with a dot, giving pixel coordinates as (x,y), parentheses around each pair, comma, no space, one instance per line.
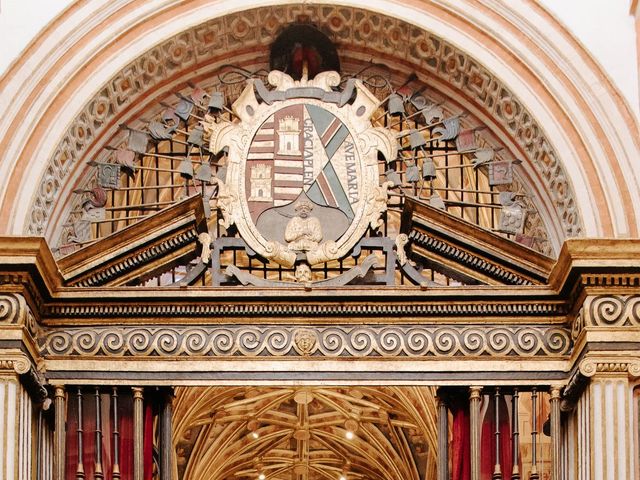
(578,126)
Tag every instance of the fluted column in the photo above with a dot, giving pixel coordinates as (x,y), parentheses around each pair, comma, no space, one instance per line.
(443,440)
(166,447)
(59,434)
(138,430)
(609,419)
(474,418)
(556,440)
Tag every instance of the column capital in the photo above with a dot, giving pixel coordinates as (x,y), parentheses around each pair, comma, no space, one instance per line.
(556,391)
(612,366)
(474,392)
(18,364)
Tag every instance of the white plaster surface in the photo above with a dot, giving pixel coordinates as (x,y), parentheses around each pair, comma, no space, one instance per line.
(607,29)
(604,27)
(20,22)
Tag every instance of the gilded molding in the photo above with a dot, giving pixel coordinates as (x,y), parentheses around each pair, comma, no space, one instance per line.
(131,262)
(389,36)
(478,263)
(226,310)
(320,341)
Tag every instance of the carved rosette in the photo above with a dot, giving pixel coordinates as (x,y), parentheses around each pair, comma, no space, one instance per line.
(295,141)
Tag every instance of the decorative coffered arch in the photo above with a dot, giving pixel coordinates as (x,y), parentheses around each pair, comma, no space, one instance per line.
(584,124)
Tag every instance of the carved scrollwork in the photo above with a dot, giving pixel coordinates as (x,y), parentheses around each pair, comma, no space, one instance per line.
(226,204)
(401,242)
(377,204)
(324,253)
(322,341)
(280,254)
(577,325)
(592,366)
(614,310)
(19,364)
(12,308)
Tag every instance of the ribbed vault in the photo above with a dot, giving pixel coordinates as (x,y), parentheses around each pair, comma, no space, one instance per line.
(377,433)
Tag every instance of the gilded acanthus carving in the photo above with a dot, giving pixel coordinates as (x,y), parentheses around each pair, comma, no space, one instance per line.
(322,341)
(418,48)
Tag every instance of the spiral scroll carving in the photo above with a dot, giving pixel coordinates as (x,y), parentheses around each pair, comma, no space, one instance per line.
(321,341)
(578,325)
(591,367)
(12,308)
(614,310)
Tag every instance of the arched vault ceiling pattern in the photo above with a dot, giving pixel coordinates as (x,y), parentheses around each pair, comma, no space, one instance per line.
(359,35)
(382,433)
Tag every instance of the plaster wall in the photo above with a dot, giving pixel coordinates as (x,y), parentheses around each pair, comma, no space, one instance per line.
(607,33)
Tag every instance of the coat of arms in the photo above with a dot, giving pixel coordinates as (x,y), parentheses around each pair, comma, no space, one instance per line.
(302,182)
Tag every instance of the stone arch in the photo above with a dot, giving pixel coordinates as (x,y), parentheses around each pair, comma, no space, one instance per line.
(584,159)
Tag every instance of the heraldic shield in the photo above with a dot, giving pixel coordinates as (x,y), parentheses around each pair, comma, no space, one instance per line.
(302,177)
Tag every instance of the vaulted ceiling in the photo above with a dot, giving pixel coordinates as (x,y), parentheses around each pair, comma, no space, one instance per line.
(299,433)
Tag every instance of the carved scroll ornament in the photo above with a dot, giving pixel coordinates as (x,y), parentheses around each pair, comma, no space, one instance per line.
(322,341)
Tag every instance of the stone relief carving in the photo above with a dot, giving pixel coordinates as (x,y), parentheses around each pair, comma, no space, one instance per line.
(593,366)
(322,341)
(14,310)
(323,154)
(259,28)
(612,310)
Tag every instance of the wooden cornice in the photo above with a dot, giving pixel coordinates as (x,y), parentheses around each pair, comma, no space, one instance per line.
(80,331)
(139,251)
(469,253)
(596,264)
(26,264)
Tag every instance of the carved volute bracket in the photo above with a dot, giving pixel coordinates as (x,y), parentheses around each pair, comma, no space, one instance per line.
(607,312)
(612,311)
(14,310)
